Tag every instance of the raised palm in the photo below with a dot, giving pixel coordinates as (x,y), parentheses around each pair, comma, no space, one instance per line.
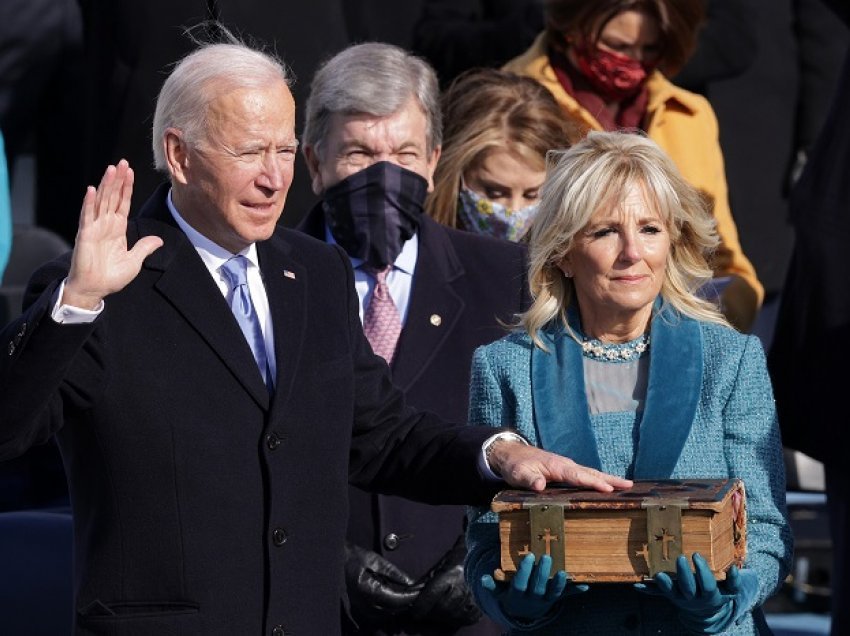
(102,263)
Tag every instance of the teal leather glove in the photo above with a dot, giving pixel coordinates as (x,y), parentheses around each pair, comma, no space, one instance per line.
(530,595)
(706,606)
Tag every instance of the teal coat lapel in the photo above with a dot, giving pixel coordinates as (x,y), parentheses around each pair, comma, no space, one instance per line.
(561,415)
(675,382)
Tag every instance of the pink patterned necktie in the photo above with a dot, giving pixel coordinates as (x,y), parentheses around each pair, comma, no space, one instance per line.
(381,320)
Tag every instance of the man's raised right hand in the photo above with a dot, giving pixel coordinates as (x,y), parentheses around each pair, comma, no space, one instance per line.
(102,263)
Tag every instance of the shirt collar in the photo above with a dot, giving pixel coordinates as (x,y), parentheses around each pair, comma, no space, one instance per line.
(213,254)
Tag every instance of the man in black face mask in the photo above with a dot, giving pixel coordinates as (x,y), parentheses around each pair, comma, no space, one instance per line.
(429,295)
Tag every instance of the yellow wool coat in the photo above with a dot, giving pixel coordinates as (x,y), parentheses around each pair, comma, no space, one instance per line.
(685,126)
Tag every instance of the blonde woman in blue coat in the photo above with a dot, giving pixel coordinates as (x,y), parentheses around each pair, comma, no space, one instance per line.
(622,366)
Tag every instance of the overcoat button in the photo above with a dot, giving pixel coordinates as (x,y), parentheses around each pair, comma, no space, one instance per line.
(279,536)
(272,441)
(391,541)
(278,631)
(436,320)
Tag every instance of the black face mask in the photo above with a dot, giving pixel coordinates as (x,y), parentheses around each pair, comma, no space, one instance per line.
(373,212)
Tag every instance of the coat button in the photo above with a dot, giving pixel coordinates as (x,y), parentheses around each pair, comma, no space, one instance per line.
(279,536)
(391,541)
(278,630)
(272,441)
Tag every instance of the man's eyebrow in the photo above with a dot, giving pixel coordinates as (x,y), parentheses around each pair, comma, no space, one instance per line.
(354,144)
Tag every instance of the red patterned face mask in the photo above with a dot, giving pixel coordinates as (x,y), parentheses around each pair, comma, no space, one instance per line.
(614,75)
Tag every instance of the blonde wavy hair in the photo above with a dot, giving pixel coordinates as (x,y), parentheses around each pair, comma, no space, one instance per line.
(595,174)
(484,109)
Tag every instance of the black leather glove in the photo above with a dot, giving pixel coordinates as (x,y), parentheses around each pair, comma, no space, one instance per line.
(379,592)
(445,600)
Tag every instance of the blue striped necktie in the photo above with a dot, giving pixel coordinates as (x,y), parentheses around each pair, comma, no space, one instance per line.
(235,270)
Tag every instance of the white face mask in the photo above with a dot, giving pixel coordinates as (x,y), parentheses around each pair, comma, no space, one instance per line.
(481,215)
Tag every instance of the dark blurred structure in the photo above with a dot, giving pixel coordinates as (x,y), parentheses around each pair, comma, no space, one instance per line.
(41,103)
(456,35)
(37,478)
(807,590)
(36,581)
(769,68)
(808,359)
(727,45)
(382,20)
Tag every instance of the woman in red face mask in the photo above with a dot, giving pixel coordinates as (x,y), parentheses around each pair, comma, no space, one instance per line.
(607,63)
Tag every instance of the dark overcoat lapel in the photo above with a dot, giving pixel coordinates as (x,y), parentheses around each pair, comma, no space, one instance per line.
(186,284)
(435,306)
(286,282)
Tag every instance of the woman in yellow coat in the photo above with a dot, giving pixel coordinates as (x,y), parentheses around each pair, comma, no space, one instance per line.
(606,62)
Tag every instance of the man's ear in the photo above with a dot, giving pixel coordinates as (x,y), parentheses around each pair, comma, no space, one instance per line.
(432,166)
(176,154)
(311,158)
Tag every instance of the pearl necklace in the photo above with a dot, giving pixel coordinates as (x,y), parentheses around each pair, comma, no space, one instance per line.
(617,352)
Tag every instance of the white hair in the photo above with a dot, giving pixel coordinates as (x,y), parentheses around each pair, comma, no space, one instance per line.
(376,79)
(198,78)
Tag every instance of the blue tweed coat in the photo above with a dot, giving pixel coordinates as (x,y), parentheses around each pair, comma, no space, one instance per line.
(709,413)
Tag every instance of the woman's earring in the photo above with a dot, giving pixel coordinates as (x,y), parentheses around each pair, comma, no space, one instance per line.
(567,274)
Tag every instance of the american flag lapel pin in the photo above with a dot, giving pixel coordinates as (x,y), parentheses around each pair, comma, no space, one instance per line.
(289,274)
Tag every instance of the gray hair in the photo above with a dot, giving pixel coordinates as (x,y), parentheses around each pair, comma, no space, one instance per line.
(597,173)
(198,78)
(375,79)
